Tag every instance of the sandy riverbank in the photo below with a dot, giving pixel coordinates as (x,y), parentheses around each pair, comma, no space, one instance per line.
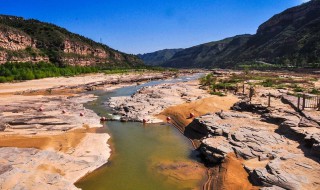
(42,146)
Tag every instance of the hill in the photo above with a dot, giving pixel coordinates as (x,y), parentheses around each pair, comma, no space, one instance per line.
(206,55)
(29,40)
(158,57)
(291,38)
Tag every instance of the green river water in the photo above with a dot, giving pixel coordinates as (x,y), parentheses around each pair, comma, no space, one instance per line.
(137,150)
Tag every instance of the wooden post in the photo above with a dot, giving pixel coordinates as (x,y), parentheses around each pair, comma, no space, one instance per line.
(251,92)
(298,103)
(269,99)
(303,101)
(243,89)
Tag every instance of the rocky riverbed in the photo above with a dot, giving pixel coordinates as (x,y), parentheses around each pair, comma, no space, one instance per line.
(46,144)
(48,140)
(275,147)
(150,101)
(279,146)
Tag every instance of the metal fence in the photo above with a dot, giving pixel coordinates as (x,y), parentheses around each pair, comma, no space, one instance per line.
(307,101)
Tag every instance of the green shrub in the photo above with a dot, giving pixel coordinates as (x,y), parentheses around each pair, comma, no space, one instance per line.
(217,93)
(224,85)
(208,80)
(267,83)
(281,86)
(3,79)
(29,71)
(315,91)
(298,89)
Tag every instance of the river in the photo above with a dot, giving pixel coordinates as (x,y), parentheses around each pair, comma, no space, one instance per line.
(144,156)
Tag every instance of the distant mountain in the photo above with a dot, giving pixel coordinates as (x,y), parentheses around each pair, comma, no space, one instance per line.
(289,38)
(158,57)
(30,40)
(206,55)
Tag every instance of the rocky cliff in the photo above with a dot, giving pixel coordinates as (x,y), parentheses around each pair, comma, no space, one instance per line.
(12,39)
(14,45)
(83,49)
(33,41)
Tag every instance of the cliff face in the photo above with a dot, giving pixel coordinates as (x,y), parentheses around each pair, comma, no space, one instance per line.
(82,49)
(33,41)
(3,57)
(13,44)
(14,40)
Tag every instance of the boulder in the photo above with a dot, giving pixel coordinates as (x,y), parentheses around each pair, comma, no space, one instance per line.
(244,152)
(245,105)
(272,175)
(3,126)
(304,122)
(215,149)
(261,177)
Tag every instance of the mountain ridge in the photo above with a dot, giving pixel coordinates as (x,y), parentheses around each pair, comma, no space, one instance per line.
(290,38)
(158,57)
(30,40)
(203,54)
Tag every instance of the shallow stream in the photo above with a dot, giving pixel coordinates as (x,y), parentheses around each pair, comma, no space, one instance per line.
(144,157)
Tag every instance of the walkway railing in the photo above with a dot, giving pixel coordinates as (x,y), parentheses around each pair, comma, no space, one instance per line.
(308,101)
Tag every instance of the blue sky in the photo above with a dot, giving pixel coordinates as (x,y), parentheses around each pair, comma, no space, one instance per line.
(140,26)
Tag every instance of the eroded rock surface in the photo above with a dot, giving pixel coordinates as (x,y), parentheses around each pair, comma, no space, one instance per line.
(280,146)
(63,150)
(149,101)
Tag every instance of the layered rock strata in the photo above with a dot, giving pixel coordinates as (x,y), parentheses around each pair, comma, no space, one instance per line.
(280,146)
